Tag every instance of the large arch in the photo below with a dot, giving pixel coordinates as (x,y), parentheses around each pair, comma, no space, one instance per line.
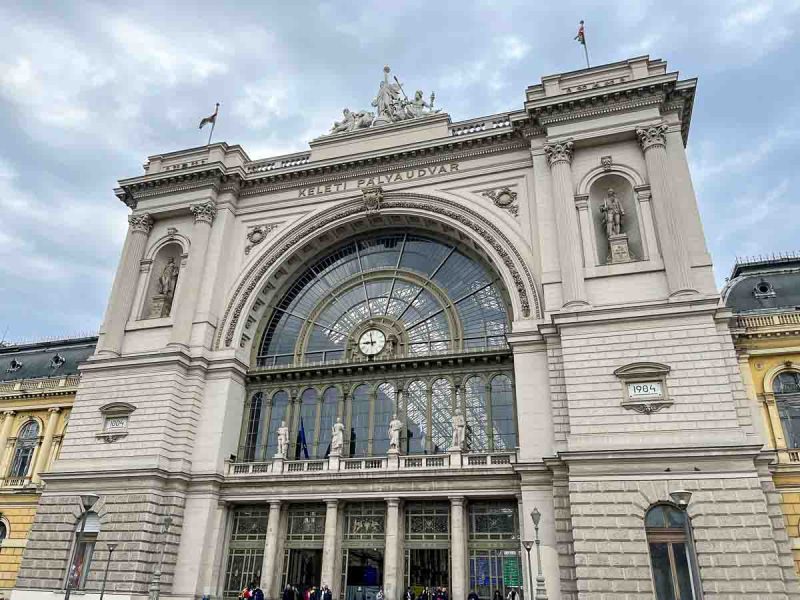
(244,308)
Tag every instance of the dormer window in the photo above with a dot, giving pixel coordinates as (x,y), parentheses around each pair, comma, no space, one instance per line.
(57,361)
(14,366)
(764,289)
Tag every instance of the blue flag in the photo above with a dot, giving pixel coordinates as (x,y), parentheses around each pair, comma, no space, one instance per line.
(301,441)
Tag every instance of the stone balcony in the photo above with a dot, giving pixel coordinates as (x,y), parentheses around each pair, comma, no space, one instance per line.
(374,464)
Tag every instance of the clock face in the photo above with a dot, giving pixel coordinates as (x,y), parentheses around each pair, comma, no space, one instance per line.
(371,342)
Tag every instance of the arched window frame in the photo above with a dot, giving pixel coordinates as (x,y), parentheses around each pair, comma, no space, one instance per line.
(670,537)
(25,448)
(787,406)
(5,530)
(82,552)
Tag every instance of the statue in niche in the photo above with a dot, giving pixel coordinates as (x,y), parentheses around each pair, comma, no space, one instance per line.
(459,427)
(283,441)
(612,214)
(337,438)
(168,278)
(395,426)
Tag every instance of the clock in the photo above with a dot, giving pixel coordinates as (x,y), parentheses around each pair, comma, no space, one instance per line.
(371,342)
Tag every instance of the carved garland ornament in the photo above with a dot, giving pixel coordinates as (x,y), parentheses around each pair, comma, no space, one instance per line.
(291,239)
(504,199)
(142,223)
(257,235)
(652,137)
(557,153)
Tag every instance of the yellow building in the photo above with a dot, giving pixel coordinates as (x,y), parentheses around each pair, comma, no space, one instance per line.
(765,297)
(37,390)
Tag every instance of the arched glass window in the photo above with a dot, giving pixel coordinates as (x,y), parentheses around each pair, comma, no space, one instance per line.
(3,532)
(279,412)
(671,553)
(359,421)
(384,409)
(504,429)
(328,412)
(787,398)
(476,415)
(84,548)
(416,405)
(252,443)
(23,451)
(436,295)
(306,425)
(441,414)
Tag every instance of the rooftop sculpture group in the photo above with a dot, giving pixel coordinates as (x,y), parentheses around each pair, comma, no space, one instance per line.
(391,104)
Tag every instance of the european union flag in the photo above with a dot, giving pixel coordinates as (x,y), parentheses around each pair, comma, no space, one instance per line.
(301,442)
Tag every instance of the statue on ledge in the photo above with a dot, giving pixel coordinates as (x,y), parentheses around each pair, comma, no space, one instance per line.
(337,438)
(283,441)
(459,428)
(395,426)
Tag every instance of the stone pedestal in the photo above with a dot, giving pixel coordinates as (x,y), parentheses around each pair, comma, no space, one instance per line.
(393,459)
(618,251)
(160,306)
(277,463)
(333,462)
(455,456)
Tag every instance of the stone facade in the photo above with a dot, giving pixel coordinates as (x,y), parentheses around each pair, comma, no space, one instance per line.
(595,392)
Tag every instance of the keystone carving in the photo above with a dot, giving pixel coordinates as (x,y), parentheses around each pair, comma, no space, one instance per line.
(652,137)
(606,162)
(204,212)
(373,198)
(142,222)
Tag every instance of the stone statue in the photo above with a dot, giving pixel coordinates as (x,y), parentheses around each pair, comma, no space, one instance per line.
(283,441)
(388,101)
(346,124)
(168,278)
(459,426)
(395,426)
(416,108)
(612,213)
(337,438)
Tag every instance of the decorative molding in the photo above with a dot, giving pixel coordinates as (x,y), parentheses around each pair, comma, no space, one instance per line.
(435,205)
(581,201)
(204,212)
(373,198)
(504,198)
(644,374)
(142,223)
(256,235)
(561,152)
(652,137)
(606,162)
(643,193)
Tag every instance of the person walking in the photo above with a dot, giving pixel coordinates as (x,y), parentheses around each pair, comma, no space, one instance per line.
(474,596)
(257,592)
(287,593)
(410,594)
(379,595)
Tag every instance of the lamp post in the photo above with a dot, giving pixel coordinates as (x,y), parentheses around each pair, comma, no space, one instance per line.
(528,545)
(111,548)
(541,590)
(155,582)
(87,501)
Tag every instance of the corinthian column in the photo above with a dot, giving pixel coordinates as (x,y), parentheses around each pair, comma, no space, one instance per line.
(192,279)
(122,292)
(47,442)
(673,243)
(573,292)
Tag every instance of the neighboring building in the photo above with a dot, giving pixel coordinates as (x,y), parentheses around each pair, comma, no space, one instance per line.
(37,389)
(369,363)
(764,295)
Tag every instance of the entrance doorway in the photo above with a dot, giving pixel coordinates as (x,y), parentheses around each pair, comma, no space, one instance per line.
(427,568)
(363,570)
(304,568)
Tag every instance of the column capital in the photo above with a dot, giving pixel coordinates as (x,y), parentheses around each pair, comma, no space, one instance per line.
(457,500)
(275,504)
(331,502)
(560,152)
(582,201)
(9,413)
(652,137)
(393,501)
(54,409)
(142,223)
(204,212)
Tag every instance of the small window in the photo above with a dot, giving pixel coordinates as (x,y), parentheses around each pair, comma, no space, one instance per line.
(84,549)
(57,361)
(14,366)
(671,553)
(764,289)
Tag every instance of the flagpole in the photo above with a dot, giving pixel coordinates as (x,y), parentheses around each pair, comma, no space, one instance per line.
(585,53)
(214,122)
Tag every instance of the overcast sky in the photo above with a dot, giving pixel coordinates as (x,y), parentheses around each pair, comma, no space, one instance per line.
(89,89)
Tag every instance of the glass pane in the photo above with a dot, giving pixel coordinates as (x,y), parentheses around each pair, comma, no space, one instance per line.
(416,406)
(307,426)
(655,517)
(789,411)
(359,423)
(662,573)
(384,409)
(504,427)
(493,521)
(477,414)
(253,430)
(442,415)
(330,406)
(675,518)
(683,572)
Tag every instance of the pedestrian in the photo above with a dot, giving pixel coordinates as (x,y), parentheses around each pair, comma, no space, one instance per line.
(497,595)
(246,594)
(287,593)
(257,592)
(379,595)
(326,593)
(512,594)
(410,594)
(474,596)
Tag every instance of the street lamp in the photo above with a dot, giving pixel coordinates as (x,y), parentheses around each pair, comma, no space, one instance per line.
(541,590)
(111,548)
(681,498)
(155,582)
(528,545)
(87,502)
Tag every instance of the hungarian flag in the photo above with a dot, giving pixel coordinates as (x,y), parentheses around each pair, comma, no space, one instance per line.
(210,120)
(581,37)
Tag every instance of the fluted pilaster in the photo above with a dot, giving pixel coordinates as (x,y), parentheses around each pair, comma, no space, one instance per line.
(653,141)
(573,291)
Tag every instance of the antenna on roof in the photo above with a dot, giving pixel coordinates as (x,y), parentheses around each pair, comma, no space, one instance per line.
(3,339)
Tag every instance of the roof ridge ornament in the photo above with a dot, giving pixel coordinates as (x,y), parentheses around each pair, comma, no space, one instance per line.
(392,106)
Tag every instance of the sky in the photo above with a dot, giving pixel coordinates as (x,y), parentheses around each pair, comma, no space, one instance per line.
(88,90)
